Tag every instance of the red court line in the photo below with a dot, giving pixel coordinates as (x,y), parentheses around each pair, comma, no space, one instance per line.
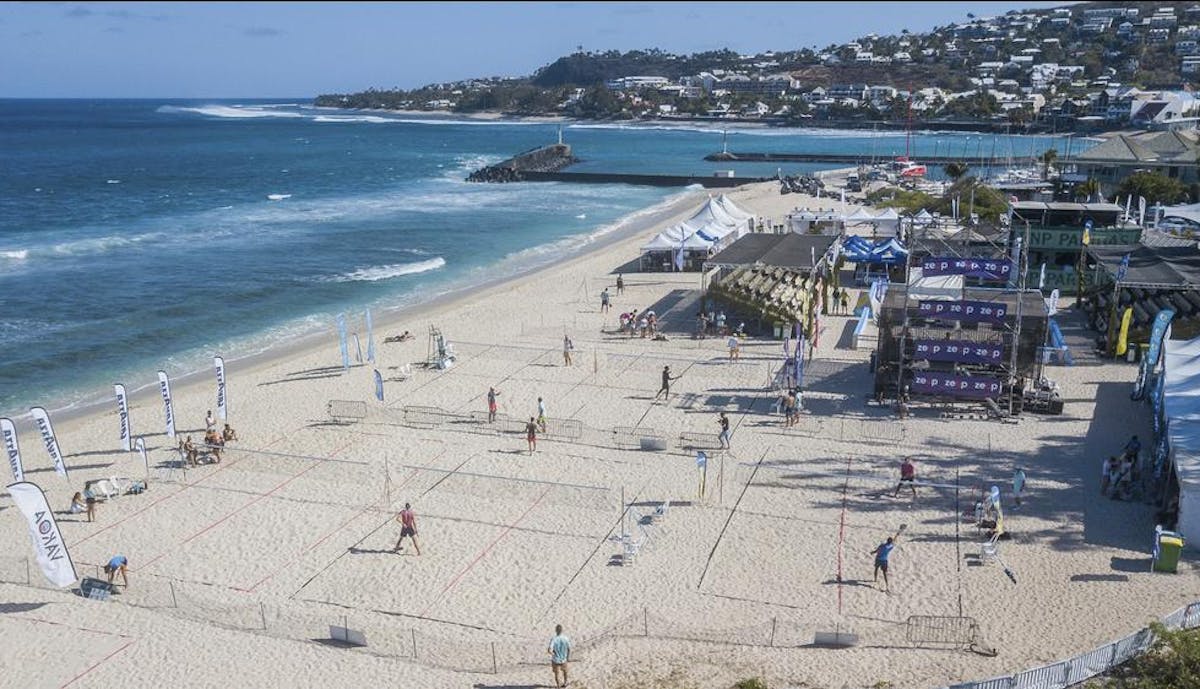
(253,502)
(98,664)
(411,474)
(70,626)
(127,517)
(483,553)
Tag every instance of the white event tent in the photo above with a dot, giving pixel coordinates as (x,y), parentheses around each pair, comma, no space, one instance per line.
(1181,400)
(718,223)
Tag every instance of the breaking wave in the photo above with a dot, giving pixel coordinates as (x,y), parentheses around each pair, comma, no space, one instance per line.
(377,273)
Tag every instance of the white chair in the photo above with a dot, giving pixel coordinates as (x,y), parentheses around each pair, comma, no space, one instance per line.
(990,549)
(661,511)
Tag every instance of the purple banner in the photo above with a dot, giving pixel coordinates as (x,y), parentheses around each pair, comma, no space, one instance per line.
(966,311)
(964,352)
(982,268)
(950,385)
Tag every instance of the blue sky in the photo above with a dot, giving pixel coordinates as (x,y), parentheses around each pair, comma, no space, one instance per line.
(253,49)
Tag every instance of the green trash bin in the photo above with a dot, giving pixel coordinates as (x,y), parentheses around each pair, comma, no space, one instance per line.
(1166,555)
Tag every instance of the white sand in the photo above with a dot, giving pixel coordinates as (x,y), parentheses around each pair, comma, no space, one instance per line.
(299,540)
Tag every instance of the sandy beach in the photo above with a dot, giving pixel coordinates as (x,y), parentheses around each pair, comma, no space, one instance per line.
(238,569)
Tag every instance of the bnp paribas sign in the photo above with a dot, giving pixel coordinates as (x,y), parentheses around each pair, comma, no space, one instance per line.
(1071,239)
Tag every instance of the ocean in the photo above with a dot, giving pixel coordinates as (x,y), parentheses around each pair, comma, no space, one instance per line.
(145,234)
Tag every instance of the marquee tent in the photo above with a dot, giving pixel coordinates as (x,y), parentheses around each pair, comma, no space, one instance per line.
(732,209)
(1181,400)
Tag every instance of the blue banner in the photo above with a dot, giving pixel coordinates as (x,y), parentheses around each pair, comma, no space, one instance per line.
(1124,268)
(378,386)
(966,311)
(960,351)
(950,385)
(341,325)
(370,338)
(982,268)
(1157,332)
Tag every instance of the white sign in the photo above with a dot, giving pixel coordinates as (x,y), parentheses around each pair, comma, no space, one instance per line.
(8,433)
(42,418)
(52,555)
(164,385)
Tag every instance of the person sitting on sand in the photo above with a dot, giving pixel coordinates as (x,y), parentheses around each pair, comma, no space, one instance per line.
(78,504)
(403,337)
(229,434)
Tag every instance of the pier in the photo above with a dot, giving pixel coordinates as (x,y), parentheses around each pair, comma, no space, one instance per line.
(856,159)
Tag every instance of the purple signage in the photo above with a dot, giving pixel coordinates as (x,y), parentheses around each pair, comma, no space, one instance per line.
(967,311)
(950,385)
(956,350)
(982,268)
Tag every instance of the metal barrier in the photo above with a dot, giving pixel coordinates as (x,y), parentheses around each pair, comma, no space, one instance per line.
(928,629)
(699,441)
(345,411)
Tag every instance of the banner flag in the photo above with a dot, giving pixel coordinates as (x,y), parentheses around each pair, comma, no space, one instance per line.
(1042,278)
(949,385)
(1159,331)
(357,349)
(1052,303)
(1128,205)
(982,268)
(12,449)
(1123,335)
(42,418)
(701,459)
(164,387)
(222,396)
(52,555)
(378,386)
(1141,210)
(966,311)
(679,257)
(140,444)
(341,326)
(123,413)
(1124,268)
(370,338)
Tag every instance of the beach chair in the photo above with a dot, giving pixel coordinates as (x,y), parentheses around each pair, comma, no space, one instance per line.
(403,373)
(660,512)
(990,549)
(631,547)
(101,489)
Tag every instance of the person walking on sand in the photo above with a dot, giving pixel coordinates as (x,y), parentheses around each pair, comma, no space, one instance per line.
(604,301)
(908,474)
(568,347)
(734,347)
(620,285)
(723,422)
(531,430)
(881,553)
(560,654)
(493,393)
(210,424)
(408,529)
(845,302)
(666,384)
(541,417)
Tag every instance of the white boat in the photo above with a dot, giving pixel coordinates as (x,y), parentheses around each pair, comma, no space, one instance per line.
(278,197)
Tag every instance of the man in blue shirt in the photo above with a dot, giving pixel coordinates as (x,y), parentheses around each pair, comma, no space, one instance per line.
(881,553)
(118,563)
(560,653)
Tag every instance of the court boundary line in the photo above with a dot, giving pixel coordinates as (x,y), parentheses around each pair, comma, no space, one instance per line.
(728,519)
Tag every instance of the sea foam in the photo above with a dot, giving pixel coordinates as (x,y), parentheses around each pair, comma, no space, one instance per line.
(377,273)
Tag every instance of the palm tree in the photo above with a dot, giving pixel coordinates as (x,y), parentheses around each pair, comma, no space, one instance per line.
(1088,188)
(1048,159)
(956,169)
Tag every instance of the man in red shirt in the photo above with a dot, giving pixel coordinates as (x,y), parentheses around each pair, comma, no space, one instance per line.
(408,528)
(908,474)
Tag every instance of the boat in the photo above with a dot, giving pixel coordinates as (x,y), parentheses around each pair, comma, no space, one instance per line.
(906,167)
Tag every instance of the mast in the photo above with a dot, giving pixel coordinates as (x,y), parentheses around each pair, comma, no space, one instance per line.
(908,129)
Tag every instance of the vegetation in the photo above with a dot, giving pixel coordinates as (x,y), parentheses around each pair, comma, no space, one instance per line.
(1155,186)
(1173,662)
(956,169)
(750,683)
(989,203)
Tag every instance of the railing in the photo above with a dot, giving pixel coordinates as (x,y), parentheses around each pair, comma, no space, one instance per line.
(1089,664)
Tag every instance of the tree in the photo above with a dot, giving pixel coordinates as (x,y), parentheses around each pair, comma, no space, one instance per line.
(954,170)
(1048,159)
(1087,189)
(1155,186)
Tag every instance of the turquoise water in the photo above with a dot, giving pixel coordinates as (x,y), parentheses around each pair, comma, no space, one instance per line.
(137,235)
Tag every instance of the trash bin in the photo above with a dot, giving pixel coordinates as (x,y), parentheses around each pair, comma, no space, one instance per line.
(1166,558)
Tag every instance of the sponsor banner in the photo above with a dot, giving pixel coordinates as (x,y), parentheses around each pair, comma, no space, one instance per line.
(140,444)
(52,555)
(378,386)
(370,338)
(123,413)
(164,387)
(341,326)
(1123,333)
(222,398)
(966,311)
(982,268)
(1158,332)
(950,385)
(42,418)
(960,351)
(12,449)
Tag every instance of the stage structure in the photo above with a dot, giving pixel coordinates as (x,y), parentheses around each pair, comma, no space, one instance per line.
(962,329)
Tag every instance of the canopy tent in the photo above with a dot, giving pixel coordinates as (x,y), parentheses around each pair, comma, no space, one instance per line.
(860,215)
(859,250)
(941,287)
(922,218)
(673,237)
(712,213)
(1181,399)
(732,209)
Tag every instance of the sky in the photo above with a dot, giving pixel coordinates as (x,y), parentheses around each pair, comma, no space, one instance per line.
(302,49)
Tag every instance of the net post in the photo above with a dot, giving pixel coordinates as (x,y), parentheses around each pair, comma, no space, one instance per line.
(645,622)
(414,642)
(771,643)
(495,669)
(174,601)
(262,611)
(28,578)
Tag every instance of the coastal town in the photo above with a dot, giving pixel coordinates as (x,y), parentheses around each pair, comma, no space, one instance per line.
(1087,67)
